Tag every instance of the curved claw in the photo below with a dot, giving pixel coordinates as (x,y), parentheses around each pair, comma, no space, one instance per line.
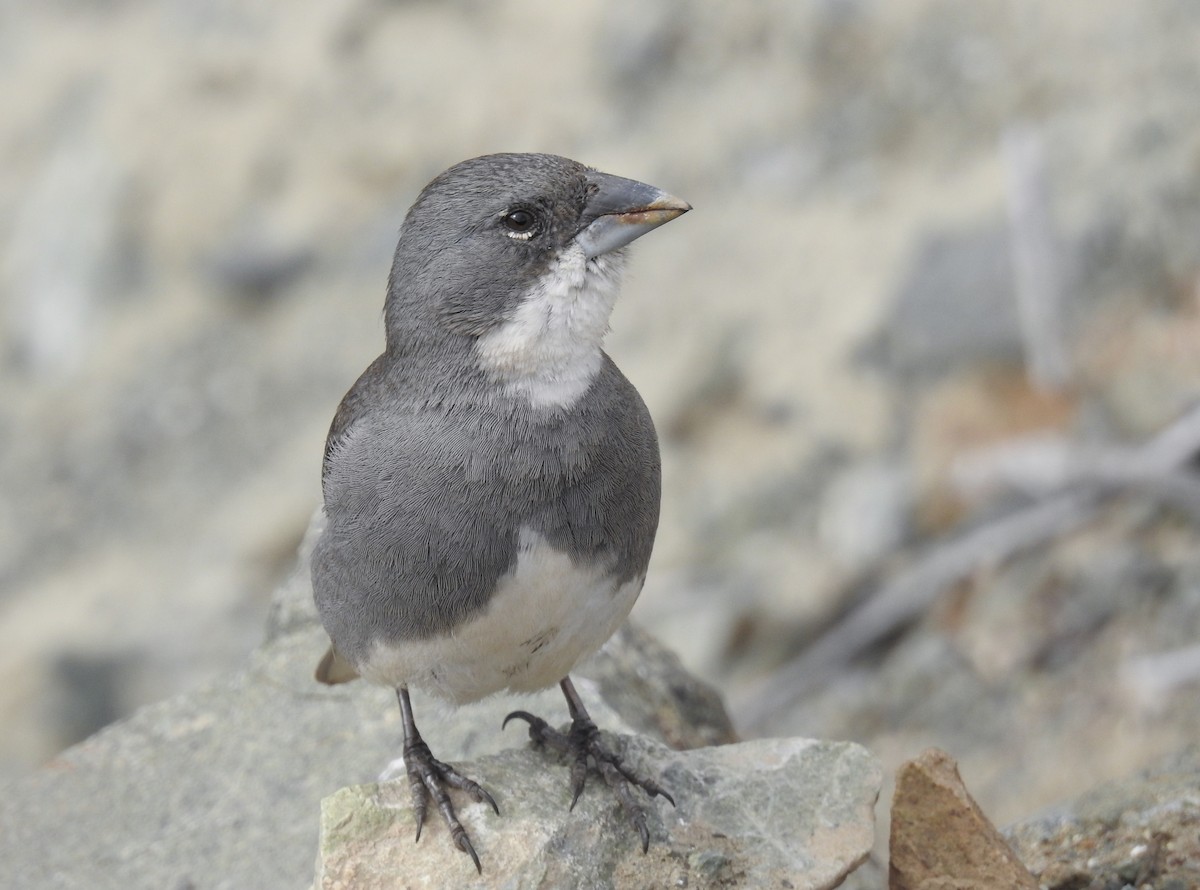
(577,790)
(652,788)
(523,715)
(579,771)
(464,844)
(478,793)
(416,787)
(617,779)
(491,801)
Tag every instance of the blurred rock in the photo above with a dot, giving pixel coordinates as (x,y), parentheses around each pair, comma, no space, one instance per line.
(940,837)
(1144,368)
(64,256)
(771,813)
(227,780)
(1140,831)
(957,306)
(87,694)
(1154,678)
(255,266)
(1025,659)
(865,512)
(642,679)
(974,409)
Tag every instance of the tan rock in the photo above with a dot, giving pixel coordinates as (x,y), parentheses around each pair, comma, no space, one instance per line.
(941,840)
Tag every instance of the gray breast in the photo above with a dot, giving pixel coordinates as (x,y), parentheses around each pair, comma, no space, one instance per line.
(426,502)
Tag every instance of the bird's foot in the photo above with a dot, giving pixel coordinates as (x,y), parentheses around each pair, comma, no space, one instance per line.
(429,778)
(579,743)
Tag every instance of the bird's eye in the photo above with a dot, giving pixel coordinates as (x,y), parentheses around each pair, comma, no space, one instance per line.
(521,224)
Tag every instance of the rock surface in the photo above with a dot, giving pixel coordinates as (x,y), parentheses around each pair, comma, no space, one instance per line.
(779,813)
(1142,831)
(221,787)
(940,837)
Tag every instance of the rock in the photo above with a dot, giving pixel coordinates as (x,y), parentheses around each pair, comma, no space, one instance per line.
(223,785)
(646,682)
(941,840)
(256,264)
(64,259)
(1139,831)
(769,813)
(864,512)
(227,780)
(956,306)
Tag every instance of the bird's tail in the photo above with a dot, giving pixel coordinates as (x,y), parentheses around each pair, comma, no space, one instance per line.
(334,669)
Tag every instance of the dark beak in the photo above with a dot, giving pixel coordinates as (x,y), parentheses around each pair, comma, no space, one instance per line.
(621,210)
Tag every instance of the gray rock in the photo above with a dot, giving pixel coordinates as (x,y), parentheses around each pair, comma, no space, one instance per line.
(865,512)
(255,264)
(649,687)
(62,262)
(955,306)
(769,813)
(221,787)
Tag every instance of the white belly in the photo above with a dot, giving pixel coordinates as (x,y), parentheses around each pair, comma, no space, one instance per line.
(546,615)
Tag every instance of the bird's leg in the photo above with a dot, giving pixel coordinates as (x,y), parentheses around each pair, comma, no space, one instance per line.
(583,740)
(428,778)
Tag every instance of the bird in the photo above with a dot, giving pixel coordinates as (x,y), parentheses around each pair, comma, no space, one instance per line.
(492,482)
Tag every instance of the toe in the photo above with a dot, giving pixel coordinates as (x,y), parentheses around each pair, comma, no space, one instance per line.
(464,844)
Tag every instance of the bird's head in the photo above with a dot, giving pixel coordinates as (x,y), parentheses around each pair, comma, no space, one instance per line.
(518,257)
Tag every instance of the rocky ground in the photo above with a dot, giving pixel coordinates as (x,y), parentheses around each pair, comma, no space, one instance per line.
(240,784)
(1141,831)
(922,358)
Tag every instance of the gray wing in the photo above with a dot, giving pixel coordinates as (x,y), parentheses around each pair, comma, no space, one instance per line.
(353,404)
(413,542)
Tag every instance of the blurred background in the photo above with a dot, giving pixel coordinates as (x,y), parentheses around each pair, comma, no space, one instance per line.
(922,358)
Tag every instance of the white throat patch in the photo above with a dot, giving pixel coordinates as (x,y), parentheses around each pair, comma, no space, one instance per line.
(549,351)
